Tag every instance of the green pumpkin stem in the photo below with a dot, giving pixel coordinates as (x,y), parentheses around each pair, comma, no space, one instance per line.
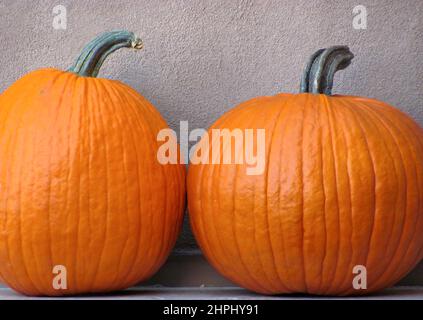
(321,68)
(95,53)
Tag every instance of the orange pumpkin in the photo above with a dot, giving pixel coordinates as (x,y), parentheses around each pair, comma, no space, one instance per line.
(342,187)
(80,183)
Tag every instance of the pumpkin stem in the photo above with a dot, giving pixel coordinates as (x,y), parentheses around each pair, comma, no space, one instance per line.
(321,68)
(95,53)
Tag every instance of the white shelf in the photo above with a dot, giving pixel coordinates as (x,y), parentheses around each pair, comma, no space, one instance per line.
(216,293)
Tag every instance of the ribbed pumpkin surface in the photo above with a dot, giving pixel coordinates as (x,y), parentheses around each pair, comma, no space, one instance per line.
(343,186)
(81,186)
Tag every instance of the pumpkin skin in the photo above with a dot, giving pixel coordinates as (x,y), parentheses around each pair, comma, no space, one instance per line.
(81,185)
(342,186)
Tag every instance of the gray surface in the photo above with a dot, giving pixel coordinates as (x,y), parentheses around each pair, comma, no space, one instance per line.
(203,57)
(201,273)
(225,293)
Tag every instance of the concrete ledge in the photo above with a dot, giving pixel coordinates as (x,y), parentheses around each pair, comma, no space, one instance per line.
(225,293)
(192,270)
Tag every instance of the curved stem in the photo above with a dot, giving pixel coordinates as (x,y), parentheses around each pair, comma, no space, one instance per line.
(320,70)
(95,53)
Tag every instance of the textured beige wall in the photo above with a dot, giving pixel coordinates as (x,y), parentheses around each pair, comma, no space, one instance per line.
(203,57)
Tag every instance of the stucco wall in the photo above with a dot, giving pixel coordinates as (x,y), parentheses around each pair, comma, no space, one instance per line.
(203,57)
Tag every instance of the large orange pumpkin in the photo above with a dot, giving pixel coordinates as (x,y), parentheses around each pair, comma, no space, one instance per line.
(80,183)
(342,187)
